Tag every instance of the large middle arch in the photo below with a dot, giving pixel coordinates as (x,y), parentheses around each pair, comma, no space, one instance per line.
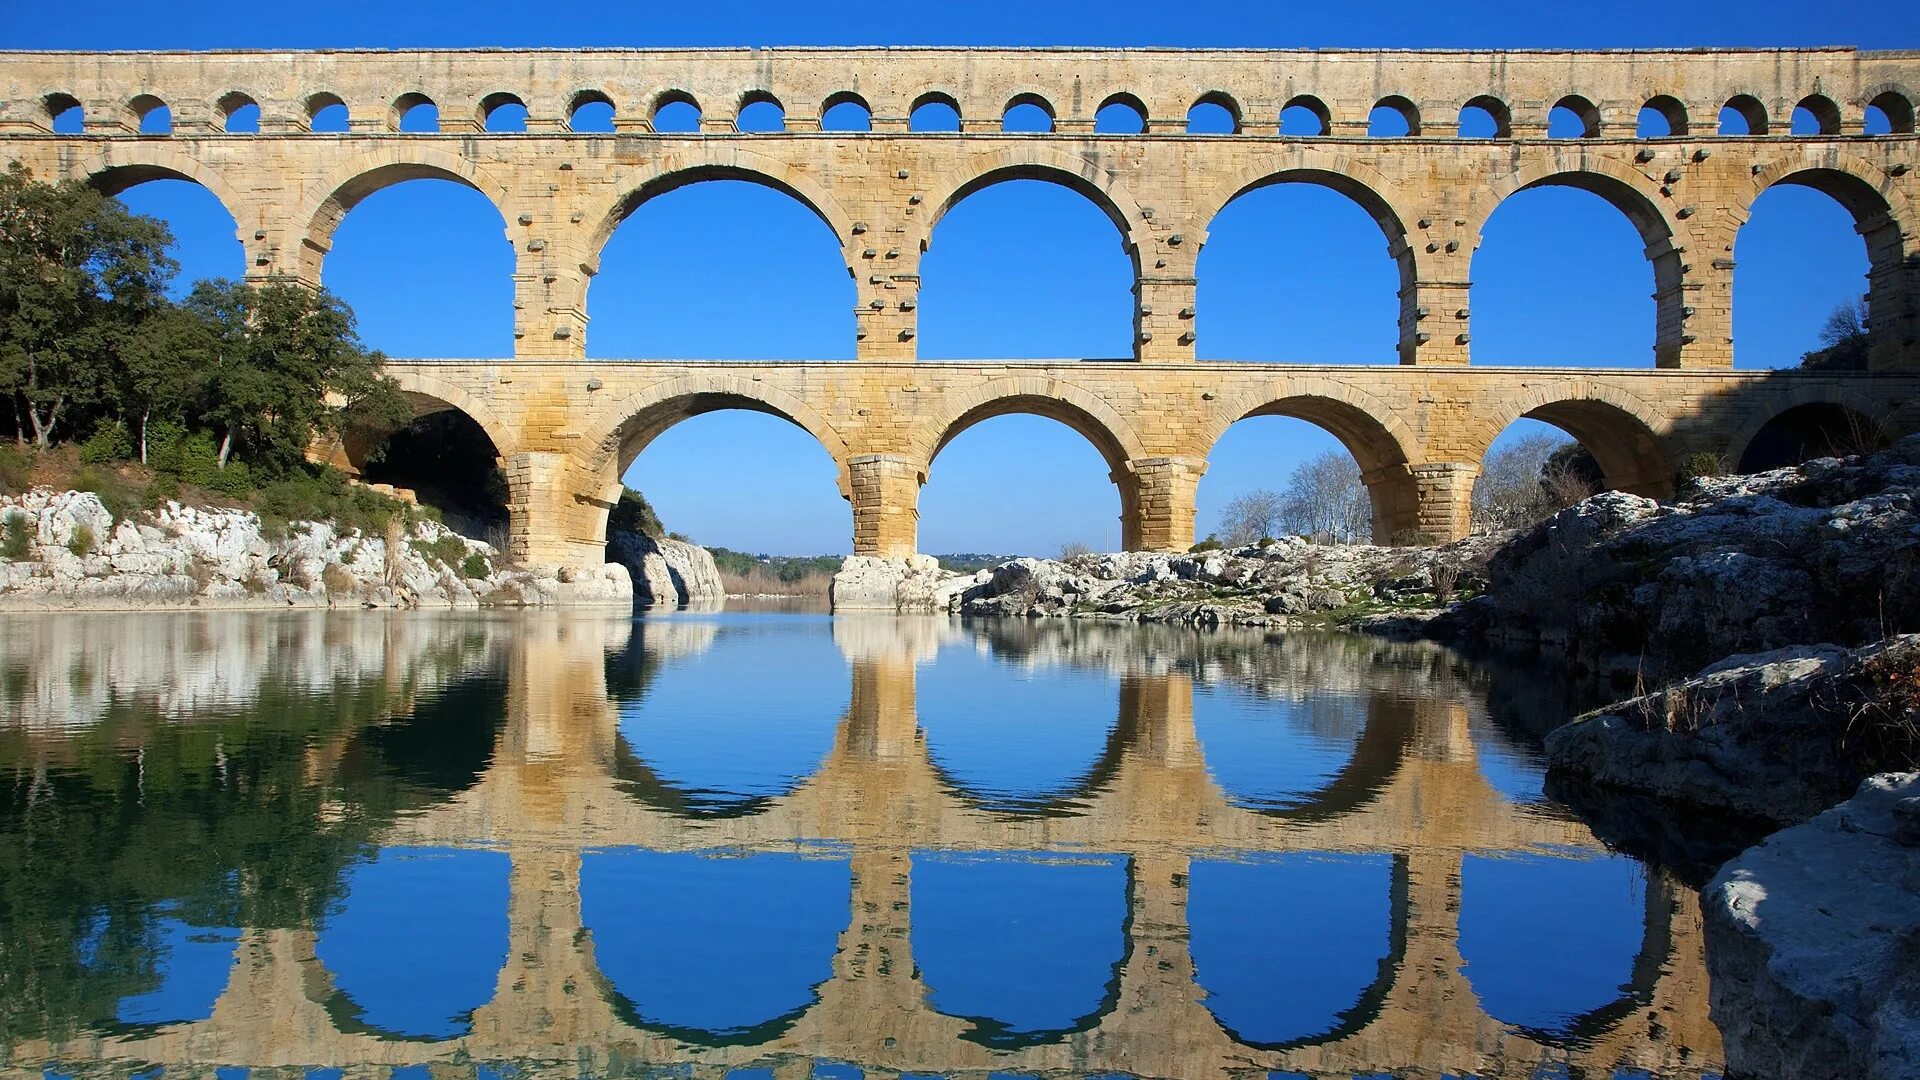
(1039,395)
(121,165)
(682,168)
(1098,184)
(328,201)
(1639,199)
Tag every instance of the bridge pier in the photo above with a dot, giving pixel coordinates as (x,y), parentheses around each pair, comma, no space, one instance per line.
(1157,502)
(885,492)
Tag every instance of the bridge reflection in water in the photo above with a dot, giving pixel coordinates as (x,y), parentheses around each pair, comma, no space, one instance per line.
(873,884)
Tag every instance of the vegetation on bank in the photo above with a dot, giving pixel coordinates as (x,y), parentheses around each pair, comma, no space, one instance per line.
(117,389)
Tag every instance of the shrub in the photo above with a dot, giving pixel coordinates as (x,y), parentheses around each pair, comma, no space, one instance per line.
(1412,538)
(16,538)
(338,579)
(448,550)
(109,443)
(1209,544)
(82,541)
(16,469)
(235,480)
(1703,464)
(475,566)
(120,495)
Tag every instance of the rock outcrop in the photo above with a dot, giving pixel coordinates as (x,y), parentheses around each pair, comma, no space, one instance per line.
(78,556)
(1826,551)
(1778,736)
(1287,582)
(1813,942)
(667,572)
(915,584)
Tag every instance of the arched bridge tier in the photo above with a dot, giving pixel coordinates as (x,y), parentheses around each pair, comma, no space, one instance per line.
(567,429)
(566,426)
(561,192)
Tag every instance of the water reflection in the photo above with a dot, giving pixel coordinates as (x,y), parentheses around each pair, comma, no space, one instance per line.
(805,845)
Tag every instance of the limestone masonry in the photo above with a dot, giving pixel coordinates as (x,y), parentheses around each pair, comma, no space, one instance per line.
(565,427)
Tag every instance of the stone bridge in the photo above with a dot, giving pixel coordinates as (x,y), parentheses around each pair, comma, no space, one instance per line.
(562,784)
(565,427)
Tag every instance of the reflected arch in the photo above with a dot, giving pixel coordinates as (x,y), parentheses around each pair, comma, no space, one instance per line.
(1019,973)
(1388,724)
(423,985)
(1086,742)
(713,951)
(1516,953)
(742,680)
(1377,439)
(1322,924)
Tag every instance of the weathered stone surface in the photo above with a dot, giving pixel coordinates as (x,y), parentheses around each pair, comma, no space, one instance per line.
(1763,735)
(1813,941)
(197,557)
(1828,551)
(668,572)
(913,584)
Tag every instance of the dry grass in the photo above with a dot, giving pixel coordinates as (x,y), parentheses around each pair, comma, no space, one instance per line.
(761,583)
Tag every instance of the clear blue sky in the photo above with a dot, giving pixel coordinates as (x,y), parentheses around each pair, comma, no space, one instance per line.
(1289,273)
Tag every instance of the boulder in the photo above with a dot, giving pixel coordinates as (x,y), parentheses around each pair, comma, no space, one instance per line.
(666,572)
(915,583)
(1813,943)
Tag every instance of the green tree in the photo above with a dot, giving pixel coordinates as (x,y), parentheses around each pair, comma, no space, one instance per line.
(162,371)
(285,365)
(78,273)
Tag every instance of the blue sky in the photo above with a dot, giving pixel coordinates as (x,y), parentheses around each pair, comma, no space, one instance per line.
(1291,273)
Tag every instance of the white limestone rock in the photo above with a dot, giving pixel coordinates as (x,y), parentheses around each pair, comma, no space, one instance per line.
(913,584)
(1813,943)
(186,556)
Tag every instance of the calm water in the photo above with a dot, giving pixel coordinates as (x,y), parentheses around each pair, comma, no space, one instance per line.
(780,845)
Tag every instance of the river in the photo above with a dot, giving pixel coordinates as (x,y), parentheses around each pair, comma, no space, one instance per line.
(793,845)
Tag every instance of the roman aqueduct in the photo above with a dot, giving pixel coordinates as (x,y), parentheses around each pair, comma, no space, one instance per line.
(565,427)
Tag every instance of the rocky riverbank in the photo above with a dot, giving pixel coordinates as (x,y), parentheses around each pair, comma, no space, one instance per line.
(1775,614)
(1286,582)
(1813,942)
(66,552)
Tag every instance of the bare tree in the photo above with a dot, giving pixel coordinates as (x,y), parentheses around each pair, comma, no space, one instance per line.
(1326,500)
(1249,517)
(1843,340)
(1073,549)
(1528,480)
